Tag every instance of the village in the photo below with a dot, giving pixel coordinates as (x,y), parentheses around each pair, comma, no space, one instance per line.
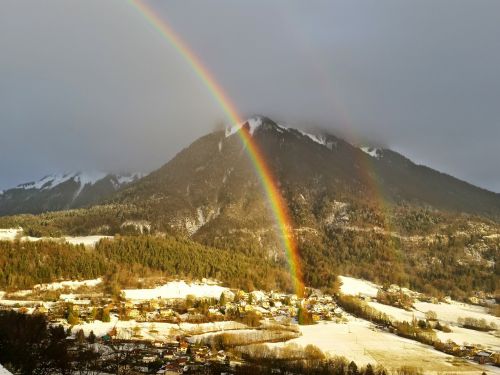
(181,327)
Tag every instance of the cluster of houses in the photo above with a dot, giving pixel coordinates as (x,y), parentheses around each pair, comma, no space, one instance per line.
(155,357)
(230,306)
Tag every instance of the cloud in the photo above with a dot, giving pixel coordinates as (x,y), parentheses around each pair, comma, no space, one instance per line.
(92,85)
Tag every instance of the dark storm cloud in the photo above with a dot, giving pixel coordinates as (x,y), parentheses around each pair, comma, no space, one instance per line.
(91,85)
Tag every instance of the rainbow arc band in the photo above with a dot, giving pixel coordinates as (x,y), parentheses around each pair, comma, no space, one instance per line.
(268,182)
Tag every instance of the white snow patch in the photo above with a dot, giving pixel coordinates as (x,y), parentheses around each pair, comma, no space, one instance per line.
(353,287)
(315,138)
(463,336)
(373,152)
(85,240)
(14,233)
(68,284)
(397,313)
(450,312)
(253,124)
(85,179)
(10,234)
(153,330)
(3,371)
(122,180)
(176,290)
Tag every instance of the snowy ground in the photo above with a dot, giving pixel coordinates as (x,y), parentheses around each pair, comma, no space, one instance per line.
(354,287)
(90,241)
(12,233)
(3,371)
(72,285)
(463,336)
(448,314)
(154,331)
(176,289)
(362,342)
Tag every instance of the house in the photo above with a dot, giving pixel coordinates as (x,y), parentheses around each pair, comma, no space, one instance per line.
(149,358)
(183,347)
(483,357)
(134,313)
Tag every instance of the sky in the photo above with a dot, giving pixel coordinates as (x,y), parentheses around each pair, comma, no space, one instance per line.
(91,85)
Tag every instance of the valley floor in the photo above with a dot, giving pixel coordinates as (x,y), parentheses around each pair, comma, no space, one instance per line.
(151,316)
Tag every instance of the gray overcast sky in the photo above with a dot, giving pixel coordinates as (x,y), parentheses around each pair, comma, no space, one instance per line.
(90,85)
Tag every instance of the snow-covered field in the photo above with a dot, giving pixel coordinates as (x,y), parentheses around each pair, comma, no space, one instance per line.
(464,336)
(397,313)
(154,331)
(354,287)
(176,289)
(450,312)
(362,342)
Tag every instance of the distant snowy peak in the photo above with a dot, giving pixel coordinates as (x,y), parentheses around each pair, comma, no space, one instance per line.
(81,178)
(372,151)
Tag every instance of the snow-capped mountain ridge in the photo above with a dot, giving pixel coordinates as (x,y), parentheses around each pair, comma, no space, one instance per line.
(257,123)
(82,178)
(63,191)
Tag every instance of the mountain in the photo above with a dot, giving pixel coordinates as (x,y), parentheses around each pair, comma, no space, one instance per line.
(62,191)
(213,180)
(355,210)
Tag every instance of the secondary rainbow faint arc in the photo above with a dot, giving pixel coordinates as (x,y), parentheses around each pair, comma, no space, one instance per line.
(273,195)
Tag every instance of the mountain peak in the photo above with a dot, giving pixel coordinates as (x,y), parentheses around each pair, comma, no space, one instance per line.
(251,124)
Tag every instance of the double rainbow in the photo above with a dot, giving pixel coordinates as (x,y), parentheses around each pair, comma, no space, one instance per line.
(276,202)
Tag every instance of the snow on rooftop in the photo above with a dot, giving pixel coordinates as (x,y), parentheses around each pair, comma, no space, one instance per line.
(373,152)
(176,289)
(253,124)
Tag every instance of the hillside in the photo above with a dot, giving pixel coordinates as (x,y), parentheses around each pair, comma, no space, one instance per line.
(355,211)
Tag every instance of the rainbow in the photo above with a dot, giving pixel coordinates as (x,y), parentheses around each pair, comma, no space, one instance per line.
(276,202)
